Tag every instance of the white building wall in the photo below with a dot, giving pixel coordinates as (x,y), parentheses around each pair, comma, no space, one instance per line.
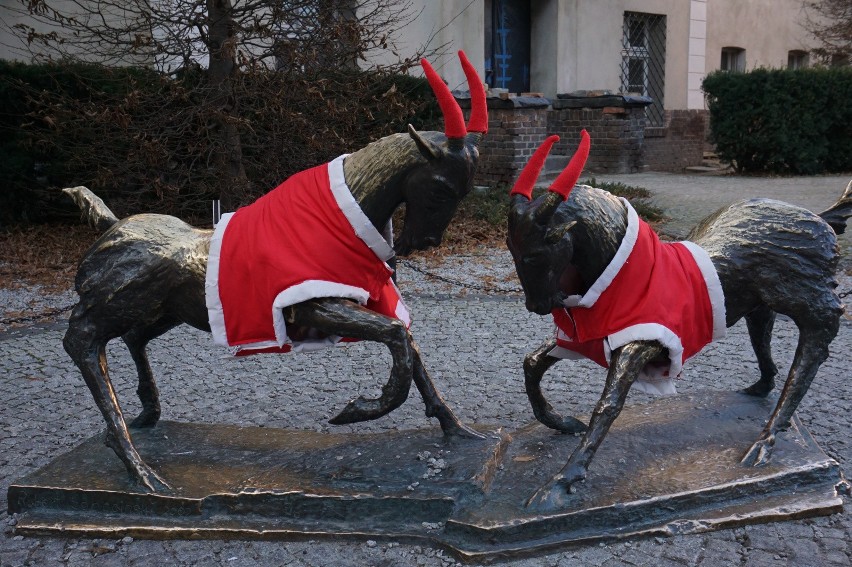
(445,26)
(766,29)
(14,47)
(603,65)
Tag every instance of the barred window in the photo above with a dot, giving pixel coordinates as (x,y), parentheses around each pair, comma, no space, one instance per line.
(643,60)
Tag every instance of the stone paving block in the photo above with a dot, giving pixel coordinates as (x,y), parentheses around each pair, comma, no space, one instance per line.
(760,558)
(801,550)
(830,544)
(13,557)
(685,550)
(836,558)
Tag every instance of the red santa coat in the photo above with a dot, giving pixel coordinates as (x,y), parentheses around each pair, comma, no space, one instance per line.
(305,239)
(658,291)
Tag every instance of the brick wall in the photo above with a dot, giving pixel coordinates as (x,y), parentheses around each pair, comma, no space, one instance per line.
(516,127)
(678,144)
(617,136)
(621,140)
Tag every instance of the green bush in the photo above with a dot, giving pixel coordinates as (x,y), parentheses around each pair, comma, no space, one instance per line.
(782,121)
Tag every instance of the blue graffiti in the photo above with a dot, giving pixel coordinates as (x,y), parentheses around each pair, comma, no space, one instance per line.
(503,57)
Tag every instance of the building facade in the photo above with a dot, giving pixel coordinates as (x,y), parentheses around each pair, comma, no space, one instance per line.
(557,50)
(660,49)
(560,46)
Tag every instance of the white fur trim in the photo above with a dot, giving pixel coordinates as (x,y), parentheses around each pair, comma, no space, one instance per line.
(401,311)
(353,213)
(561,352)
(215,312)
(714,288)
(655,387)
(615,265)
(309,289)
(652,332)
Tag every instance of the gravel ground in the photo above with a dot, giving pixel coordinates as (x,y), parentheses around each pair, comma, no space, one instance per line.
(473,330)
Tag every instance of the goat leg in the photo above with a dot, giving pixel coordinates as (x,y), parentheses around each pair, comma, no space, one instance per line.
(435,404)
(811,352)
(625,365)
(535,365)
(136,340)
(342,317)
(760,323)
(89,354)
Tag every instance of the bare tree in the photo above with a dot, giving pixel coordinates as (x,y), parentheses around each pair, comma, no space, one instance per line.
(231,44)
(831,22)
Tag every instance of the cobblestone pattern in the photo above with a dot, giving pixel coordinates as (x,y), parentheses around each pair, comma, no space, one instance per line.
(473,347)
(617,136)
(678,144)
(687,199)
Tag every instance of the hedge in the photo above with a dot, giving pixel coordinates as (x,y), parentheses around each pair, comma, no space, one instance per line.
(782,121)
(145,142)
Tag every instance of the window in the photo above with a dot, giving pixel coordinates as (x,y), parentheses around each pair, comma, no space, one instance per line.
(733,59)
(839,59)
(797,59)
(643,60)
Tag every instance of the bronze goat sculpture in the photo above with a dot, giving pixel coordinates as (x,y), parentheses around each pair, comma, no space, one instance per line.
(570,247)
(146,274)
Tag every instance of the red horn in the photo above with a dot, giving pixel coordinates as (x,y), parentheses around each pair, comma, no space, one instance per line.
(478,110)
(563,184)
(453,117)
(526,181)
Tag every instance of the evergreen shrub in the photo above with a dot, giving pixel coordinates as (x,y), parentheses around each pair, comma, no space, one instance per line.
(782,121)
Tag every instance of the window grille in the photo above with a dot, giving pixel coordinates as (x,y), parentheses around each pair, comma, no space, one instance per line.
(643,60)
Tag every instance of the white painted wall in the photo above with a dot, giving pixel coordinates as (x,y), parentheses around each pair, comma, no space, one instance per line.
(446,26)
(766,29)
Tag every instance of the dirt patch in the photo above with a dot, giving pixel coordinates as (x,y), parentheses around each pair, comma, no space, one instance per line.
(42,255)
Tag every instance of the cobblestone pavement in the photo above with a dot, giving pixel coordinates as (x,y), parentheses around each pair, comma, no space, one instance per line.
(473,345)
(687,199)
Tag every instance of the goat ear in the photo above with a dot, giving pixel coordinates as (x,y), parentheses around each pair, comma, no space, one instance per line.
(555,235)
(430,150)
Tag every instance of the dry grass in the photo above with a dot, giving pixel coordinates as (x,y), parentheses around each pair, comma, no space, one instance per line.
(45,255)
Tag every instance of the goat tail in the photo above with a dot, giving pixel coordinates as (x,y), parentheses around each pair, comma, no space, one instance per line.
(840,211)
(94,209)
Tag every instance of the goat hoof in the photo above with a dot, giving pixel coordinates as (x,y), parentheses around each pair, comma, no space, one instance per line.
(354,412)
(151,481)
(552,496)
(759,389)
(145,419)
(458,430)
(554,420)
(759,453)
(571,425)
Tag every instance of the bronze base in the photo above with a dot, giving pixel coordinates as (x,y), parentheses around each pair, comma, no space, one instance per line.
(667,467)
